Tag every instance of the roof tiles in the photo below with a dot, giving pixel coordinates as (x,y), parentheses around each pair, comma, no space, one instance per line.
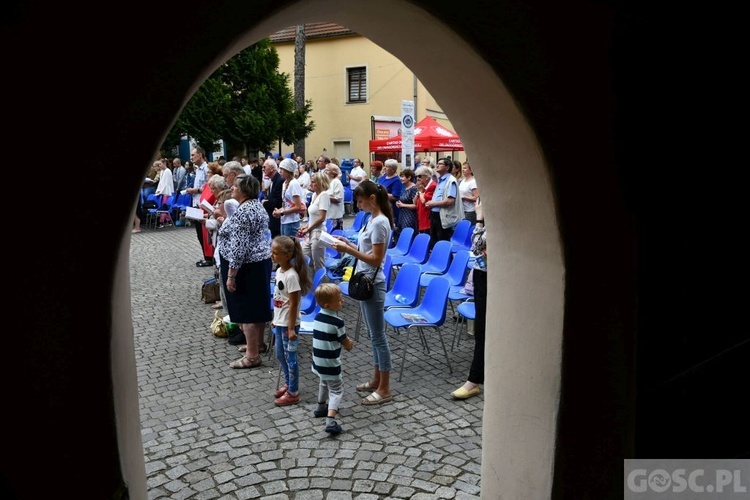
(312,30)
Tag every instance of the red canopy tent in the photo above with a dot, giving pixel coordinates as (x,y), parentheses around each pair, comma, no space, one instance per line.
(429,135)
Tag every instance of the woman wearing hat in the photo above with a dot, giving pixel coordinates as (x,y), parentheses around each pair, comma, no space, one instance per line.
(292,195)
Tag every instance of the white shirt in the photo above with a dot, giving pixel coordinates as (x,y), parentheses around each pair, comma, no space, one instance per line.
(465,188)
(357,171)
(336,190)
(201,176)
(166,184)
(318,203)
(304,180)
(292,189)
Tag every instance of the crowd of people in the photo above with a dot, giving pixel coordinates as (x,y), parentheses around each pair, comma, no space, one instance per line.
(265,228)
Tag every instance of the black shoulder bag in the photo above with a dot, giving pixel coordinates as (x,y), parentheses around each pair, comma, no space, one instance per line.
(362,286)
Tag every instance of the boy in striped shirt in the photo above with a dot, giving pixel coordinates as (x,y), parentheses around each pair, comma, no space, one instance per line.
(329,336)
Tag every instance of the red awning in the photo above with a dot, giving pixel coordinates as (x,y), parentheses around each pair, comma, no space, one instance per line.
(429,135)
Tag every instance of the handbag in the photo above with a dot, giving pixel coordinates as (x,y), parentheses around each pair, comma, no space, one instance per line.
(210,291)
(218,327)
(362,286)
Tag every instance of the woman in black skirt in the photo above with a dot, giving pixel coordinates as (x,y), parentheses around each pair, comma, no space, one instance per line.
(245,255)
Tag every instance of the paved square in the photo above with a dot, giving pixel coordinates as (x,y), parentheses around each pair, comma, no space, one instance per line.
(213,432)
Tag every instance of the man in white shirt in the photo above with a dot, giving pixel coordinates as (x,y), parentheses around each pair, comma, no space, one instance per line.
(356,176)
(198,157)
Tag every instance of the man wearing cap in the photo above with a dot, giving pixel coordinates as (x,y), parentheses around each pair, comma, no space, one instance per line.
(292,207)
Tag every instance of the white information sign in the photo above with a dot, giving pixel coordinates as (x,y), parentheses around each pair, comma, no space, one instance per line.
(407,134)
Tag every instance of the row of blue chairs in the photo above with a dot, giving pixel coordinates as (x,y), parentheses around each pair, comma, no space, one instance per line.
(415,249)
(407,308)
(176,202)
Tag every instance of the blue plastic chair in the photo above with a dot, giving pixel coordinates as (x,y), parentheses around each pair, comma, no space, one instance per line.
(466,311)
(150,213)
(165,208)
(348,200)
(309,317)
(357,224)
(403,244)
(308,303)
(388,270)
(184,201)
(430,313)
(330,252)
(439,259)
(457,271)
(405,291)
(461,234)
(418,251)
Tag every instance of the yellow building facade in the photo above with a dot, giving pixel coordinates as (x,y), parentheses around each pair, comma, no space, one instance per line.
(356,89)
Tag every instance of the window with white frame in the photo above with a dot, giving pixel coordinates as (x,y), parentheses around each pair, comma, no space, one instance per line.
(356,83)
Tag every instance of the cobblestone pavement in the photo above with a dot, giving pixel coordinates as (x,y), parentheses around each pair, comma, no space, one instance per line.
(213,432)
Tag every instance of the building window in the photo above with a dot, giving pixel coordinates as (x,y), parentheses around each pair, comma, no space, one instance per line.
(356,80)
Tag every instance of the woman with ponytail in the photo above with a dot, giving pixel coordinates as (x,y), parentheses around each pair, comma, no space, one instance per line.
(370,252)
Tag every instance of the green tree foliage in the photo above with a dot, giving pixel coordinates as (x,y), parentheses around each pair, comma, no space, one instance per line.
(246,102)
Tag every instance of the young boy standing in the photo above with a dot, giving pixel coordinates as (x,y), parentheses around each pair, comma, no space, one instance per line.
(329,335)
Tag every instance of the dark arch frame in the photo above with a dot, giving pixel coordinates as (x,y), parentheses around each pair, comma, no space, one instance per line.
(105,86)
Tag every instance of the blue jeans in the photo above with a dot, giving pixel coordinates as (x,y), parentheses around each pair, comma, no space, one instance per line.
(290,229)
(374,318)
(286,353)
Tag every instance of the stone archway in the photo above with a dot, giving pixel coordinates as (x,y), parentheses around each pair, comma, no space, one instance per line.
(82,391)
(527,289)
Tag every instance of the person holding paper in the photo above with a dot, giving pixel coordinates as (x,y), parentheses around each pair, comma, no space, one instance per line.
(198,157)
(214,186)
(292,205)
(311,245)
(370,252)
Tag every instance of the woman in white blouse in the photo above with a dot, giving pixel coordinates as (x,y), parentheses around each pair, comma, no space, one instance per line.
(311,245)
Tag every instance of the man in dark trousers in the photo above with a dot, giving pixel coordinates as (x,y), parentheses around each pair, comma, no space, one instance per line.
(273,197)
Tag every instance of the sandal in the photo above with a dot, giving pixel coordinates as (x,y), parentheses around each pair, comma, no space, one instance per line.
(245,362)
(375,399)
(366,387)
